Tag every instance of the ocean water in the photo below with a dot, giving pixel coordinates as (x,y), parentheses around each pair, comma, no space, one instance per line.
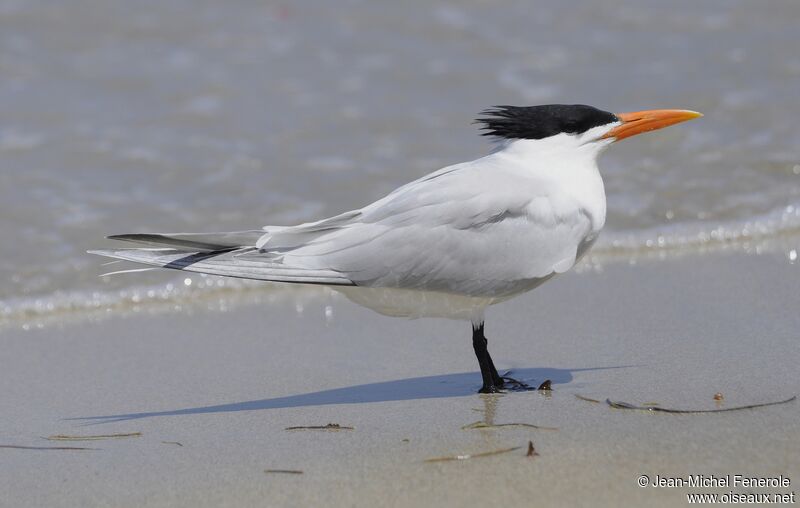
(180,116)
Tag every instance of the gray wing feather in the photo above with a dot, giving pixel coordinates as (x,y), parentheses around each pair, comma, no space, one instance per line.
(229,262)
(198,241)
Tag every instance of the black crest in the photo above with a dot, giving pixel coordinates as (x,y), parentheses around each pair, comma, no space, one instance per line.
(537,122)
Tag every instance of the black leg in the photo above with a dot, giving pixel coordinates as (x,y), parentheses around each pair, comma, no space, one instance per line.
(492,382)
(497,378)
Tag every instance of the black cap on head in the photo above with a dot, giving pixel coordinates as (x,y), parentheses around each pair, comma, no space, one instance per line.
(537,122)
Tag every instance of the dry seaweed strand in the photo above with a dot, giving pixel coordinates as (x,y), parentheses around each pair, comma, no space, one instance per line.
(283,471)
(172,442)
(472,456)
(587,399)
(625,405)
(330,426)
(531,450)
(19,447)
(62,437)
(484,425)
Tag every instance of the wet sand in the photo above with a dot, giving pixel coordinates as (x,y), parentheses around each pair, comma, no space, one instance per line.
(226,385)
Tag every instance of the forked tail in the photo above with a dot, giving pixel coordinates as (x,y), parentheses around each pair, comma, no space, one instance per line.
(228,254)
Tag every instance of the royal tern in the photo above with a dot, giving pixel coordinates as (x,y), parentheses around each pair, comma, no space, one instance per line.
(450,243)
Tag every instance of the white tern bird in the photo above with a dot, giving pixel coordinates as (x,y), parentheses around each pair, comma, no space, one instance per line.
(450,243)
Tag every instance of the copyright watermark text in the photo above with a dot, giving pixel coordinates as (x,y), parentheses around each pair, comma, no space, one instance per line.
(746,488)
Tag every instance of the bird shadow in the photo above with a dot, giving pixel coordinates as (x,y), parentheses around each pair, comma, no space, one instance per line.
(417,388)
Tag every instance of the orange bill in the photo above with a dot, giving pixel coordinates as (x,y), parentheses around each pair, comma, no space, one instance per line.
(638,122)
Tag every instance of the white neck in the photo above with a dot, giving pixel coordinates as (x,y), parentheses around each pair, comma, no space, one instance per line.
(569,163)
(568,148)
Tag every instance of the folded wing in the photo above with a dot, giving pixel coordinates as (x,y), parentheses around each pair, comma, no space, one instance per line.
(467,229)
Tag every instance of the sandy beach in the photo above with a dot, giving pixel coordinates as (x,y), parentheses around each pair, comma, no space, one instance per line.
(212,393)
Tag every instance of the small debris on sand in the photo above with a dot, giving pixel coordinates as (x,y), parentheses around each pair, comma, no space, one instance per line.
(472,456)
(18,447)
(330,426)
(62,437)
(531,450)
(484,425)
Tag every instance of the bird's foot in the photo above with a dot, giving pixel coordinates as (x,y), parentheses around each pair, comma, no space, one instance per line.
(491,389)
(515,385)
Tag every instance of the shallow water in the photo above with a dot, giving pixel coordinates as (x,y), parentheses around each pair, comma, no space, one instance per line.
(205,116)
